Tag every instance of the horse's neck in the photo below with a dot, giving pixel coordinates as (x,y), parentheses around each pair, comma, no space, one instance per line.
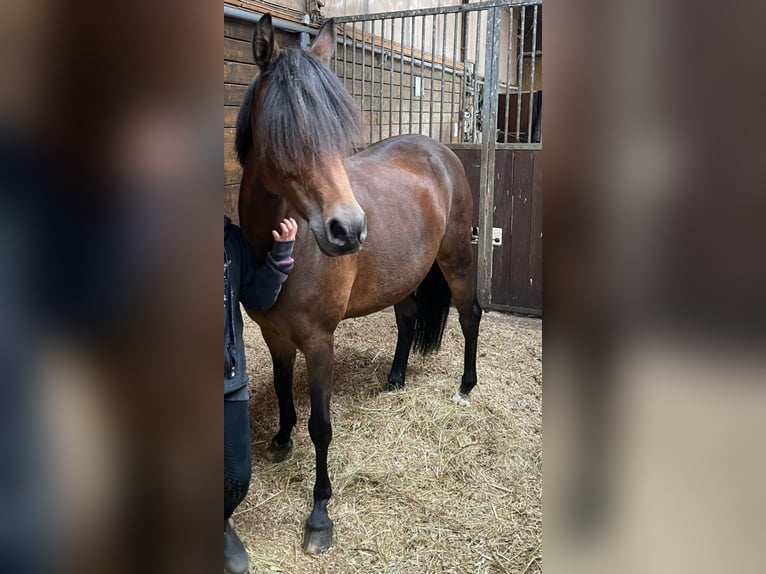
(260,212)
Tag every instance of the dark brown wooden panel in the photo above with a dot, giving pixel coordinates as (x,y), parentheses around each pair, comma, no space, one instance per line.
(514,291)
(471,159)
(501,255)
(535,291)
(517,264)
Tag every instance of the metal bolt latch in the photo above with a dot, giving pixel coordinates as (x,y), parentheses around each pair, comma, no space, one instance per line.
(497,236)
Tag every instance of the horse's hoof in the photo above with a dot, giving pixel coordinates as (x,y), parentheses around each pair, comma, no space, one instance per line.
(461,399)
(278,452)
(317,541)
(394,385)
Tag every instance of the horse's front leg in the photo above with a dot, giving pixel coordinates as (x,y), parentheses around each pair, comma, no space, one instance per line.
(283,359)
(319,364)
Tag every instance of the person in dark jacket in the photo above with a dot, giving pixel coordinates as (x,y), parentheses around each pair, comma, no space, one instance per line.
(256,286)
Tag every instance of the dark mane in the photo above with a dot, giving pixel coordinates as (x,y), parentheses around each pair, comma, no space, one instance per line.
(243,139)
(305,114)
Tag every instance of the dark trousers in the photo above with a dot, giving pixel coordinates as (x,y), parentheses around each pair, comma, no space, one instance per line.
(236,454)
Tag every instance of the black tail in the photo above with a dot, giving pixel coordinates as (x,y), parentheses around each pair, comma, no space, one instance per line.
(433,297)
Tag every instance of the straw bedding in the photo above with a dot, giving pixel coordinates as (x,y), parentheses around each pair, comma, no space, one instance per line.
(420,485)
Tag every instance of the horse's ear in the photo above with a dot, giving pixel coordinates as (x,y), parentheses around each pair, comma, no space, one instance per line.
(323,45)
(265,47)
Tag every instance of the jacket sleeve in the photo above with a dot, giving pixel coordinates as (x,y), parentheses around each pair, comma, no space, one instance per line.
(261,283)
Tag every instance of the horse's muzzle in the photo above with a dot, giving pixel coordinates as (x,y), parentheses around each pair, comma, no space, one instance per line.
(343,234)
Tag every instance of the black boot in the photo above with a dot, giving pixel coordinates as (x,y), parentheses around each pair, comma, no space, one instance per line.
(235,559)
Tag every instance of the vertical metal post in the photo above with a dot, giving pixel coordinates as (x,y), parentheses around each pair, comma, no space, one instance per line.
(353,59)
(532,74)
(412,74)
(364,71)
(433,78)
(539,98)
(508,74)
(391,82)
(335,59)
(476,58)
(422,69)
(444,66)
(305,38)
(454,73)
(401,75)
(489,137)
(345,54)
(382,75)
(520,75)
(372,81)
(463,75)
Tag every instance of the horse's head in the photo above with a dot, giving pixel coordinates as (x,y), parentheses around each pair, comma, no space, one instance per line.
(303,126)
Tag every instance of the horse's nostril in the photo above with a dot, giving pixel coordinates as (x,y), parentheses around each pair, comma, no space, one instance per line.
(338,230)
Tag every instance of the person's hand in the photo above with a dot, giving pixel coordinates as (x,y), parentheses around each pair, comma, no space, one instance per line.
(286,230)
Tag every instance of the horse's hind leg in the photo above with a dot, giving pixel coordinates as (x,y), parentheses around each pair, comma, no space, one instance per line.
(456,267)
(406,313)
(470,317)
(283,359)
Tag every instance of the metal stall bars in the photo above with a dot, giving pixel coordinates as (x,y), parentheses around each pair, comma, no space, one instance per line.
(423,68)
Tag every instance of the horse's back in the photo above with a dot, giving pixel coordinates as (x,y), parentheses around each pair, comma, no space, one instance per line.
(411,146)
(409,159)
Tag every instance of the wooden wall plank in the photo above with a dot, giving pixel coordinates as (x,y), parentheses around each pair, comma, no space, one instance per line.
(520,225)
(238,29)
(236,73)
(230,199)
(230,116)
(501,255)
(238,51)
(228,143)
(471,159)
(535,287)
(232,171)
(233,94)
